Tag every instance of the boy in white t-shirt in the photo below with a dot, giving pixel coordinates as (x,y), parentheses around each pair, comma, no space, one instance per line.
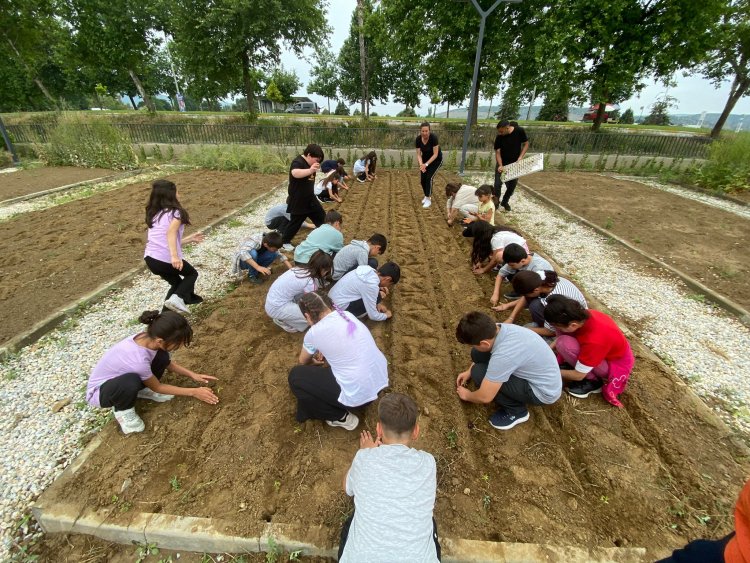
(393,486)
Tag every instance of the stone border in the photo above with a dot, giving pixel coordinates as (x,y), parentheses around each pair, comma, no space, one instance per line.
(742,314)
(55,319)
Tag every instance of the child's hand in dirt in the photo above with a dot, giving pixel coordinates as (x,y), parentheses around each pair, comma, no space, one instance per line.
(463,393)
(264,271)
(462,378)
(494,299)
(206,395)
(366,441)
(203,378)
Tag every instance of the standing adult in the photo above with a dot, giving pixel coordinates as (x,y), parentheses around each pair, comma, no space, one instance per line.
(429,158)
(302,202)
(511,144)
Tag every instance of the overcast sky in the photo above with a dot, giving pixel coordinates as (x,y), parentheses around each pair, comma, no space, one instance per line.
(694,94)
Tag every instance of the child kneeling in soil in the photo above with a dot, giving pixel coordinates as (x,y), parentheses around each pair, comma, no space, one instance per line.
(357,368)
(516,259)
(511,365)
(393,486)
(461,201)
(358,253)
(327,190)
(256,254)
(361,291)
(132,369)
(328,238)
(594,345)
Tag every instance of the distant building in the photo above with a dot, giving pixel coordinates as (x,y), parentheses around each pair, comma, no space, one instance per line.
(267,106)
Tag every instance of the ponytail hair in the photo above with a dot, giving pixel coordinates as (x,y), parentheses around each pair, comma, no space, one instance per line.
(163,199)
(319,268)
(451,189)
(483,232)
(561,310)
(316,303)
(171,327)
(526,281)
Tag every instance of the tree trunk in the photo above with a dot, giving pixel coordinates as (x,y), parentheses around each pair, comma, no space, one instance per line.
(489,111)
(596,125)
(739,89)
(28,69)
(363,60)
(132,101)
(329,105)
(247,84)
(142,91)
(448,111)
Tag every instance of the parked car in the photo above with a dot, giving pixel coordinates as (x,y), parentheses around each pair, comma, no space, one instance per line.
(303,107)
(611,113)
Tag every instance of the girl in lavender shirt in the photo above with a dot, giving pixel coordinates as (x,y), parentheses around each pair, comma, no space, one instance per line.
(133,368)
(166,220)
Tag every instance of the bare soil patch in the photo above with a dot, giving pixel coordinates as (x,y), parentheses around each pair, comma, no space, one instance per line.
(657,473)
(53,256)
(704,242)
(25,182)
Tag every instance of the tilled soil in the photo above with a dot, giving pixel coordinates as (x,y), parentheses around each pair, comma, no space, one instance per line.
(25,182)
(707,243)
(657,473)
(54,256)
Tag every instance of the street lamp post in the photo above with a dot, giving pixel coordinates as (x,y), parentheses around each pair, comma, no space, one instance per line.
(473,94)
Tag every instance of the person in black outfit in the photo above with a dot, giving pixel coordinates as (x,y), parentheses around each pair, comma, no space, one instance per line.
(302,202)
(511,144)
(429,158)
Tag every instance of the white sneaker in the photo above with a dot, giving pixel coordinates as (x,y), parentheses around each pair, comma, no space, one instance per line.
(427,202)
(350,422)
(176,304)
(129,421)
(424,199)
(287,247)
(150,395)
(285,326)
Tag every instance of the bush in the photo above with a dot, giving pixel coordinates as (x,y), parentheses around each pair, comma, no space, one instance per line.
(728,165)
(93,144)
(234,157)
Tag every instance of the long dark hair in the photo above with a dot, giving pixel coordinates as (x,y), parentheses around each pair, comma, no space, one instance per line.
(483,232)
(163,199)
(372,156)
(561,310)
(319,268)
(171,327)
(526,281)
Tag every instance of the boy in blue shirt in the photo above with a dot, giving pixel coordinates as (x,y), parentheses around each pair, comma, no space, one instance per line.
(327,237)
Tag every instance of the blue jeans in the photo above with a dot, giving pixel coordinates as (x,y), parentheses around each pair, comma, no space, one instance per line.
(265,260)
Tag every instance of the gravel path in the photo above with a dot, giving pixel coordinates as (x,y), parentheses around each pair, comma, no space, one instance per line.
(713,201)
(39,443)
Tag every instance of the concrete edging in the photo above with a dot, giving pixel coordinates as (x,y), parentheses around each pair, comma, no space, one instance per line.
(742,314)
(55,319)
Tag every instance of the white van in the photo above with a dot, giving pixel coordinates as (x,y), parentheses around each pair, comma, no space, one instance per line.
(303,107)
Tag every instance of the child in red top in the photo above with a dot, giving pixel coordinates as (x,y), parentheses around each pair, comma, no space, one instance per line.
(598,355)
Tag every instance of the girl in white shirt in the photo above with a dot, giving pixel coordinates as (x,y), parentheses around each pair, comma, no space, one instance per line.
(358,369)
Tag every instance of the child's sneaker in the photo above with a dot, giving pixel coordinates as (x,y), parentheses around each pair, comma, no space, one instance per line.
(584,388)
(257,280)
(150,395)
(503,420)
(283,325)
(349,422)
(176,304)
(129,421)
(287,247)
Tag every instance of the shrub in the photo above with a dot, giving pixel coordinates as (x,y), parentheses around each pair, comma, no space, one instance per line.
(234,157)
(94,144)
(728,165)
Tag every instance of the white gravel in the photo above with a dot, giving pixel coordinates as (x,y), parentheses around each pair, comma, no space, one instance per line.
(706,347)
(708,199)
(38,444)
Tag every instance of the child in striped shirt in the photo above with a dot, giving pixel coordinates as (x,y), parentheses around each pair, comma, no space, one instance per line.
(515,259)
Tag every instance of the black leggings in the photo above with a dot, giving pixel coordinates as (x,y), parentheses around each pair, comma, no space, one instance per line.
(426,177)
(510,187)
(121,391)
(317,393)
(181,282)
(348,524)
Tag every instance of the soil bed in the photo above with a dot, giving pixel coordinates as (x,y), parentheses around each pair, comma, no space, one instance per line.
(657,473)
(54,256)
(25,182)
(706,243)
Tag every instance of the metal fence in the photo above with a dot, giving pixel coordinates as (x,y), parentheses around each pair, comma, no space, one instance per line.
(558,140)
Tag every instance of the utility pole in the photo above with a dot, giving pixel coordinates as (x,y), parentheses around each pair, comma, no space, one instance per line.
(9,144)
(473,97)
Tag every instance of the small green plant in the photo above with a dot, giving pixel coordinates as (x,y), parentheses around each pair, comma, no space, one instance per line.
(604,499)
(11,375)
(294,555)
(170,153)
(637,240)
(156,153)
(609,223)
(144,550)
(274,551)
(234,223)
(402,159)
(142,157)
(699,297)
(174,483)
(393,161)
(277,485)
(486,501)
(452,438)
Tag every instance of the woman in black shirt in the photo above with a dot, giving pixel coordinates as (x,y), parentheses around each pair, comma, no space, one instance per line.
(429,158)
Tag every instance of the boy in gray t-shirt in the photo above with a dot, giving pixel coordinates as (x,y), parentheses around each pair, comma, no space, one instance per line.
(511,365)
(393,487)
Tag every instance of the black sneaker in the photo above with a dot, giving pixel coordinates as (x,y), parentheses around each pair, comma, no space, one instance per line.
(505,205)
(511,295)
(584,388)
(503,420)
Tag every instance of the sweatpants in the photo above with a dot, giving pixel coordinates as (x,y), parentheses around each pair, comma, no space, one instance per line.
(357,308)
(514,395)
(426,177)
(278,224)
(181,282)
(700,551)
(290,315)
(317,216)
(121,391)
(317,393)
(510,187)
(536,309)
(348,524)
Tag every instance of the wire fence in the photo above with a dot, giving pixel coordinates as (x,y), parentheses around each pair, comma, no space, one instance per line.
(558,140)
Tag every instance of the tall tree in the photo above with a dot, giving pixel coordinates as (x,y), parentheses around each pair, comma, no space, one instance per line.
(287,83)
(730,57)
(227,49)
(325,77)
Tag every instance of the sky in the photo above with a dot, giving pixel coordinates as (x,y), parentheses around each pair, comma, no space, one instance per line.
(694,94)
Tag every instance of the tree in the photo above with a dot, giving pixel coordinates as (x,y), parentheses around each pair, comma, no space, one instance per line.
(659,115)
(555,106)
(729,58)
(627,117)
(510,108)
(325,77)
(287,83)
(273,93)
(341,109)
(227,49)
(407,112)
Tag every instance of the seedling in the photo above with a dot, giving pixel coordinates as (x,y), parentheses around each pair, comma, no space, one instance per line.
(174,483)
(294,555)
(277,485)
(274,551)
(699,297)
(604,499)
(486,501)
(609,224)
(452,438)
(144,550)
